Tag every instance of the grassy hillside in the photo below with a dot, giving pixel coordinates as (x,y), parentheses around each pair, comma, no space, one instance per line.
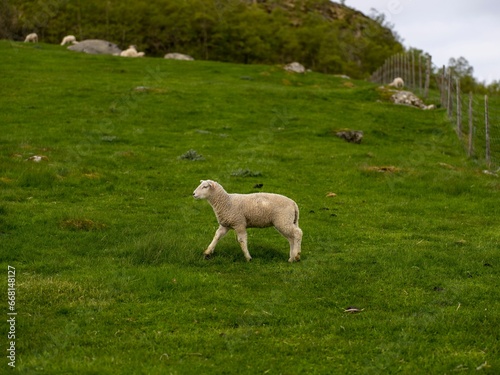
(107,241)
(323,35)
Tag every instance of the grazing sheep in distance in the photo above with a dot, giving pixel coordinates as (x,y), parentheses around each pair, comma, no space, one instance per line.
(68,39)
(131,52)
(398,83)
(257,210)
(31,38)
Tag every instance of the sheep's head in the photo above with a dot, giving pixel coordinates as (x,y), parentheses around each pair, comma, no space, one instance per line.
(204,190)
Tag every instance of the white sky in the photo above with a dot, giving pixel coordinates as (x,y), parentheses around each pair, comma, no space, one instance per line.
(445,28)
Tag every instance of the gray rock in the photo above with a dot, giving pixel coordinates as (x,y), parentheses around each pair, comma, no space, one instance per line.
(178,56)
(353,136)
(295,67)
(95,47)
(409,98)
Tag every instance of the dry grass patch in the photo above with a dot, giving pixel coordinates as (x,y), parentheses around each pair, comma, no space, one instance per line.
(92,176)
(382,169)
(6,180)
(62,291)
(86,225)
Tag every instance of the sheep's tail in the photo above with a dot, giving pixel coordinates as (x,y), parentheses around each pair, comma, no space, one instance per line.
(296,218)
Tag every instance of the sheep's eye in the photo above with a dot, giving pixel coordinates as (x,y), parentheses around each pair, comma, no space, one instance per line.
(204,187)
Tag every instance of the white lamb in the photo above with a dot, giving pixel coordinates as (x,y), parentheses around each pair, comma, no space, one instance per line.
(31,38)
(131,52)
(398,83)
(68,39)
(257,210)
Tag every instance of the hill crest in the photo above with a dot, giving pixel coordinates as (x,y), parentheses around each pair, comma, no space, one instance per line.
(322,35)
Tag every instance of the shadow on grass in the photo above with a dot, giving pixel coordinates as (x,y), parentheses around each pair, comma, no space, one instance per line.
(228,253)
(159,248)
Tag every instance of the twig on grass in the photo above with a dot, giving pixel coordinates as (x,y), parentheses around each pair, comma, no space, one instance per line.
(353,310)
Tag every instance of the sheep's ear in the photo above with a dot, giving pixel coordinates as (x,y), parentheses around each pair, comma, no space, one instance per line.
(211,183)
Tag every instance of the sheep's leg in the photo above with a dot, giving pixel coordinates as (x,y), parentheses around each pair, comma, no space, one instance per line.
(242,239)
(295,244)
(294,236)
(219,233)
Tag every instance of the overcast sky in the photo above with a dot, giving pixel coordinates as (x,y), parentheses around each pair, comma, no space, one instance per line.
(445,28)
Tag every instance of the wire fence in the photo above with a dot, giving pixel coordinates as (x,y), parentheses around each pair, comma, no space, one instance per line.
(475,117)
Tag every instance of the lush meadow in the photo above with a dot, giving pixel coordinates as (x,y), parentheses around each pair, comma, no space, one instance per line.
(107,240)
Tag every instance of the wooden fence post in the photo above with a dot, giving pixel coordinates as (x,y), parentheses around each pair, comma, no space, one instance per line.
(450,100)
(413,70)
(408,69)
(379,73)
(459,110)
(471,126)
(399,63)
(420,73)
(443,87)
(402,72)
(487,132)
(427,77)
(393,66)
(387,68)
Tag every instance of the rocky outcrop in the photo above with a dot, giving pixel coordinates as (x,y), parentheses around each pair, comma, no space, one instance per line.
(410,99)
(96,46)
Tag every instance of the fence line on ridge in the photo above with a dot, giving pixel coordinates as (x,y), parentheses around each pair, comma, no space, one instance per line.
(475,118)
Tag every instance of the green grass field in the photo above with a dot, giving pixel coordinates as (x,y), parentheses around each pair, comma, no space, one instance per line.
(107,240)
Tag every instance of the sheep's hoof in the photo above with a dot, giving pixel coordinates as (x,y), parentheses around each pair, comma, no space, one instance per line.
(207,256)
(249,259)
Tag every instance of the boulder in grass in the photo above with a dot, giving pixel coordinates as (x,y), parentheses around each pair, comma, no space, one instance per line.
(295,67)
(178,56)
(352,136)
(96,47)
(410,99)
